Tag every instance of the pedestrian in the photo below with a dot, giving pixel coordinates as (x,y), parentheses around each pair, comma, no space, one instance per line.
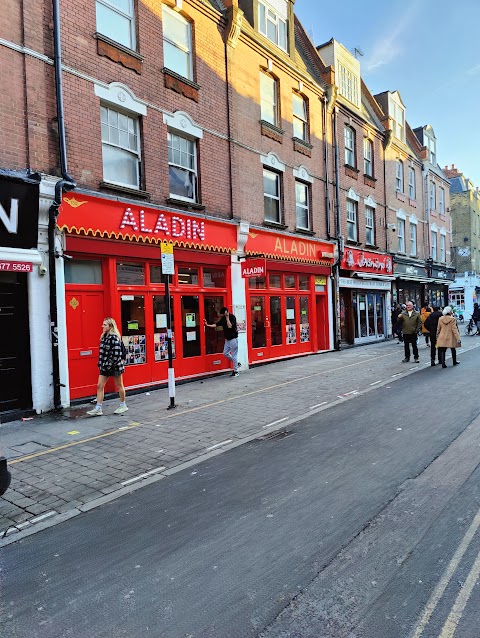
(424,314)
(431,324)
(411,326)
(476,317)
(448,336)
(5,476)
(110,364)
(396,325)
(228,322)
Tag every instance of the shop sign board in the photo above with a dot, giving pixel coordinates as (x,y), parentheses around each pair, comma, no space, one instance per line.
(364,284)
(441,273)
(18,213)
(278,246)
(366,261)
(15,266)
(254,268)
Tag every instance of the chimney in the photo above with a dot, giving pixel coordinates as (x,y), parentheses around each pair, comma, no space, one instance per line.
(451,172)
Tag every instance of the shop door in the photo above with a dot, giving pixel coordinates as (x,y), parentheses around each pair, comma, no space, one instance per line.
(140,357)
(15,376)
(85,314)
(322,323)
(258,327)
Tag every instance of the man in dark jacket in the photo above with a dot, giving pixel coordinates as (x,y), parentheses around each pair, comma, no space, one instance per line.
(431,324)
(411,326)
(476,317)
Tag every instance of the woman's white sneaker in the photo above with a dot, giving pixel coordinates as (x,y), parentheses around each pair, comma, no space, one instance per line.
(95,412)
(121,409)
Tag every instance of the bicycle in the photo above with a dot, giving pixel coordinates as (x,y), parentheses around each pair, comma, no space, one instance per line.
(471,328)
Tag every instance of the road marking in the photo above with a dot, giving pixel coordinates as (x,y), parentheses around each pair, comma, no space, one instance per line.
(214,447)
(397,374)
(446,577)
(451,624)
(276,422)
(141,476)
(41,517)
(375,382)
(312,407)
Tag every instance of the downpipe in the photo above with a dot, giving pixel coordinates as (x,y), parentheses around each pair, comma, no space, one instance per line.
(338,237)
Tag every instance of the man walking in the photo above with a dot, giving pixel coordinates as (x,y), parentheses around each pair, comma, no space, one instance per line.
(411,326)
(431,324)
(229,324)
(476,317)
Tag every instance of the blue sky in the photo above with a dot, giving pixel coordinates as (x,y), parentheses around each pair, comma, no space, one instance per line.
(429,50)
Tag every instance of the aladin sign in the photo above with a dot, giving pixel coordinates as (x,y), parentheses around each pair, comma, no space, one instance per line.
(366,261)
(254,268)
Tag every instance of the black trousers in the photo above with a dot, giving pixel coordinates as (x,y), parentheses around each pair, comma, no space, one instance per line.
(407,340)
(443,351)
(433,349)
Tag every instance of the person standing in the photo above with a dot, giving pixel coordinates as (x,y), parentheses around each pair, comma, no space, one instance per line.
(5,476)
(476,317)
(411,326)
(425,312)
(396,325)
(228,322)
(448,336)
(431,324)
(110,364)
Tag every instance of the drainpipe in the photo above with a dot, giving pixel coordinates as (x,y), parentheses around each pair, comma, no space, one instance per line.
(326,160)
(338,237)
(66,183)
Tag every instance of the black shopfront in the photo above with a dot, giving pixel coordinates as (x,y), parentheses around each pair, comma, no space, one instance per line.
(420,282)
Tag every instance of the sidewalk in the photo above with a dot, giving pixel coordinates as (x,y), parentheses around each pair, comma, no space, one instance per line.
(68,463)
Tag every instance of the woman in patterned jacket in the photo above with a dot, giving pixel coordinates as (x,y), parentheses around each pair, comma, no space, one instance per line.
(111,365)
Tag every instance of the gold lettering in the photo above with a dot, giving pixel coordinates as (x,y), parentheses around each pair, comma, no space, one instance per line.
(293,248)
(303,248)
(285,249)
(278,245)
(311,250)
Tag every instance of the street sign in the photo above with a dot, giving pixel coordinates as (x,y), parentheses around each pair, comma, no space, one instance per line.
(168,262)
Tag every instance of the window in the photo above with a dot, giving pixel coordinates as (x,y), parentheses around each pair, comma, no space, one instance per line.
(300,122)
(115,19)
(177,43)
(411,183)
(351,220)
(433,202)
(457,299)
(272,196)
(431,146)
(348,84)
(399,176)
(434,245)
(120,148)
(368,157)
(268,99)
(83,272)
(441,201)
(442,248)
(401,235)
(182,167)
(349,135)
(397,114)
(370,225)
(413,239)
(302,199)
(272,25)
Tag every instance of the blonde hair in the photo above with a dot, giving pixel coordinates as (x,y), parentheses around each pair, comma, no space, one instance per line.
(113,327)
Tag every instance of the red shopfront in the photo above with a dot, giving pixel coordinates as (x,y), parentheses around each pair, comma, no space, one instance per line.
(287,304)
(116,271)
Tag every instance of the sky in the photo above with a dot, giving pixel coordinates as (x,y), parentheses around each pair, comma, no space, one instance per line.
(428,50)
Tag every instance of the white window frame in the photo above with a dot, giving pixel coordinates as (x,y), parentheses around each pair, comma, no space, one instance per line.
(267,15)
(413,238)
(397,114)
(433,244)
(432,150)
(130,16)
(370,225)
(411,183)
(349,139)
(299,206)
(457,299)
(441,201)
(174,134)
(348,84)
(185,47)
(271,100)
(401,248)
(277,197)
(399,176)
(352,214)
(443,247)
(368,156)
(432,196)
(107,142)
(300,119)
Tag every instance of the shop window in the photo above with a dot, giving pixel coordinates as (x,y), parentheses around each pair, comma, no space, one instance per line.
(290,281)
(156,276)
(275,281)
(177,43)
(120,148)
(83,272)
(182,167)
(115,19)
(187,276)
(215,339)
(130,274)
(291,321)
(214,278)
(304,320)
(303,282)
(276,326)
(190,327)
(133,328)
(256,282)
(160,341)
(257,316)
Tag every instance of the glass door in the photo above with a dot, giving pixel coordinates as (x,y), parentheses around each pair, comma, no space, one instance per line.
(291,320)
(190,327)
(160,342)
(371,323)
(133,328)
(257,321)
(379,313)
(362,315)
(304,320)
(214,339)
(276,332)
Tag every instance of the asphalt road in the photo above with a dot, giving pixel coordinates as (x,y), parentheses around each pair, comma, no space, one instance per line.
(222,550)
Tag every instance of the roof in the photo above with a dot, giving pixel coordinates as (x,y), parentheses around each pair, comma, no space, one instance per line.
(458,184)
(308,54)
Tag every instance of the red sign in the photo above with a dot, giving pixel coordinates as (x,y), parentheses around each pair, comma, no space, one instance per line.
(365,261)
(254,268)
(289,248)
(84,215)
(16,266)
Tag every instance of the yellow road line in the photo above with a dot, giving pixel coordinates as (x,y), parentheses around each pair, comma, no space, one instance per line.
(451,624)
(446,578)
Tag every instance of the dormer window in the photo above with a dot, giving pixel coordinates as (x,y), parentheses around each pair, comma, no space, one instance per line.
(272,23)
(431,146)
(397,113)
(348,84)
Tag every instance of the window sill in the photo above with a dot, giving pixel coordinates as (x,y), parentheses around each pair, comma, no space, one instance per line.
(277,225)
(351,242)
(351,171)
(372,246)
(118,53)
(400,196)
(368,180)
(301,146)
(305,231)
(125,189)
(272,131)
(181,85)
(183,204)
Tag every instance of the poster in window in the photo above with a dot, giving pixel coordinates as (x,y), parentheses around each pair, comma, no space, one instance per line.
(190,320)
(161,346)
(304,332)
(291,334)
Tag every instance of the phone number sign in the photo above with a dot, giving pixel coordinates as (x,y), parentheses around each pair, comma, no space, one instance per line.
(15,266)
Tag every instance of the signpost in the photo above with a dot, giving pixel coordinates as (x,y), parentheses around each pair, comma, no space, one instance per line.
(168,269)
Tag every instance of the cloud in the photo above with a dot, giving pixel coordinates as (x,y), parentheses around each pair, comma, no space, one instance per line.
(474,70)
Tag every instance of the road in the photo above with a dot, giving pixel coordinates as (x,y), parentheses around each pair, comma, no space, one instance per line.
(345,527)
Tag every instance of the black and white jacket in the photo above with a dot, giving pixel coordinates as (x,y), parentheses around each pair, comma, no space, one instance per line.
(110,356)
